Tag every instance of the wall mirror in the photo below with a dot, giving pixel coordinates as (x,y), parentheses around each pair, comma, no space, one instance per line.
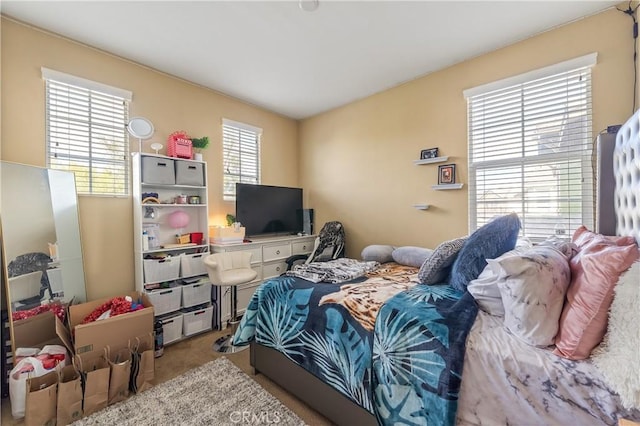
(41,248)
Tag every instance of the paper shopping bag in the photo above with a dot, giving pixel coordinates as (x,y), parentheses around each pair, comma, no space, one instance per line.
(142,363)
(40,406)
(120,364)
(94,373)
(69,396)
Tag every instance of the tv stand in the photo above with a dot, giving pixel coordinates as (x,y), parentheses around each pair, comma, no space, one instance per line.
(269,256)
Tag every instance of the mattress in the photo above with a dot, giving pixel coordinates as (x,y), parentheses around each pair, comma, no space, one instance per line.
(507,382)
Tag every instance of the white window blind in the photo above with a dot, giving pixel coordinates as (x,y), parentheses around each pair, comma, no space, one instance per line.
(86,133)
(530,152)
(241,156)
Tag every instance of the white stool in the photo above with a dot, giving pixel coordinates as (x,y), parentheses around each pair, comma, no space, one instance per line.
(230,269)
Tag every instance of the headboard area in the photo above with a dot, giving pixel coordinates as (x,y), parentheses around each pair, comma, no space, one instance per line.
(626,169)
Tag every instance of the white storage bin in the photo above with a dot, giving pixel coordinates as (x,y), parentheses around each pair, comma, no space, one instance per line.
(159,270)
(165,300)
(189,173)
(192,264)
(196,294)
(158,170)
(197,321)
(171,328)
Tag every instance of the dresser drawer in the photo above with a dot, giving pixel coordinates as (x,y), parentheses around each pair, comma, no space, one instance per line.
(302,247)
(256,252)
(275,252)
(274,269)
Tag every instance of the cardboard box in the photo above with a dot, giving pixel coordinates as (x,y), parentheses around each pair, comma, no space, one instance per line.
(114,332)
(40,330)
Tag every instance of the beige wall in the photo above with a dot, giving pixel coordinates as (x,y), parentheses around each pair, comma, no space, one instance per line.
(171,104)
(356,162)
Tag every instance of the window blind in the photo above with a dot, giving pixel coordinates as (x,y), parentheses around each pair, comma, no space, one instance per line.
(241,156)
(530,152)
(86,134)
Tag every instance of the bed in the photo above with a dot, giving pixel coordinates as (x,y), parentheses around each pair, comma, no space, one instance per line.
(383,348)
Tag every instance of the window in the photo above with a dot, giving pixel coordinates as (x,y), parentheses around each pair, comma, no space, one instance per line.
(86,132)
(241,156)
(530,149)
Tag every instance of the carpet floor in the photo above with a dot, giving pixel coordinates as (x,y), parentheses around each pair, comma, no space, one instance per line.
(190,353)
(216,393)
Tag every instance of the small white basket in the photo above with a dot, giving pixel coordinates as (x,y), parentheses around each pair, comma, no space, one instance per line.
(192,264)
(165,300)
(196,294)
(197,321)
(171,328)
(160,270)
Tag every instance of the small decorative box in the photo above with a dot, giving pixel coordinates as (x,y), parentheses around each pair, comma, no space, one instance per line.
(179,145)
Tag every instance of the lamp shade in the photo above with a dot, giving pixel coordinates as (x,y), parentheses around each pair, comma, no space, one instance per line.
(178,219)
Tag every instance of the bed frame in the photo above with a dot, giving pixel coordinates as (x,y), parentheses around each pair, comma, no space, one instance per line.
(308,388)
(341,410)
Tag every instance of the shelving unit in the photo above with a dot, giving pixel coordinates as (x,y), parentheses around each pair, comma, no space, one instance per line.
(430,160)
(447,186)
(172,274)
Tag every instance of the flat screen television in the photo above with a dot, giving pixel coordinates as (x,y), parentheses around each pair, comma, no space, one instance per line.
(268,210)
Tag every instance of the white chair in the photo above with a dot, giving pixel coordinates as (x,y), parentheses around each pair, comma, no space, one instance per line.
(230,269)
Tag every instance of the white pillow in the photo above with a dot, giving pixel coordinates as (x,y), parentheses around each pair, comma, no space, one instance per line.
(532,292)
(484,289)
(618,357)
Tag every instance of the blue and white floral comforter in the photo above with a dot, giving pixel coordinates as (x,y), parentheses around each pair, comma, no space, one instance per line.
(393,347)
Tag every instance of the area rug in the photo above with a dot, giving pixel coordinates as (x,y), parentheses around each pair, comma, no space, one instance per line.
(216,393)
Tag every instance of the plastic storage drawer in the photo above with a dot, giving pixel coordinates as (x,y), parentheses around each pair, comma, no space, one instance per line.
(197,320)
(189,173)
(159,270)
(192,264)
(165,300)
(171,327)
(158,170)
(196,294)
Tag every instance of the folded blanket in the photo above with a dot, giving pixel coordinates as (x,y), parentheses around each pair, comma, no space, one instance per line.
(333,271)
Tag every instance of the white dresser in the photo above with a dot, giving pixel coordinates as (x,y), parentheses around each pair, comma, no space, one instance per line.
(268,259)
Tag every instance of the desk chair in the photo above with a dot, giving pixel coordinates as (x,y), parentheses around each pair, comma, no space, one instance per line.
(230,269)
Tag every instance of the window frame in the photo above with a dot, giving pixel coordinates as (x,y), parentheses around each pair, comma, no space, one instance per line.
(525,159)
(98,123)
(245,132)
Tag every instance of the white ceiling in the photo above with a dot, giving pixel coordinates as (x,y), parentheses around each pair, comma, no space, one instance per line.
(274,55)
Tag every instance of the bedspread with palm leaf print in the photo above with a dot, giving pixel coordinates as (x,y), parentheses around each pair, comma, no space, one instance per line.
(393,347)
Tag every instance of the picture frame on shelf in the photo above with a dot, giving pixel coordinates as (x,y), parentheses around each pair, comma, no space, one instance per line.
(446,174)
(428,153)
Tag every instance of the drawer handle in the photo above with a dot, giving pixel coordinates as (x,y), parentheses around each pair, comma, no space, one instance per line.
(167,322)
(195,256)
(304,247)
(277,251)
(197,285)
(192,167)
(198,313)
(161,164)
(278,268)
(165,292)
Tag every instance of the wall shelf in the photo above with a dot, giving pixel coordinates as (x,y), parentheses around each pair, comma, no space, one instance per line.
(421,206)
(430,160)
(446,186)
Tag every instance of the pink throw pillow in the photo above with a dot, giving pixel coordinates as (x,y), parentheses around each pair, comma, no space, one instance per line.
(594,272)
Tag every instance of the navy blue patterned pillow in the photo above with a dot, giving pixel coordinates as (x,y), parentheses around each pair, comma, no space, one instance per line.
(487,242)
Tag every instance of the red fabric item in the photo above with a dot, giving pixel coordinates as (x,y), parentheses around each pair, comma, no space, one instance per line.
(56,308)
(117,305)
